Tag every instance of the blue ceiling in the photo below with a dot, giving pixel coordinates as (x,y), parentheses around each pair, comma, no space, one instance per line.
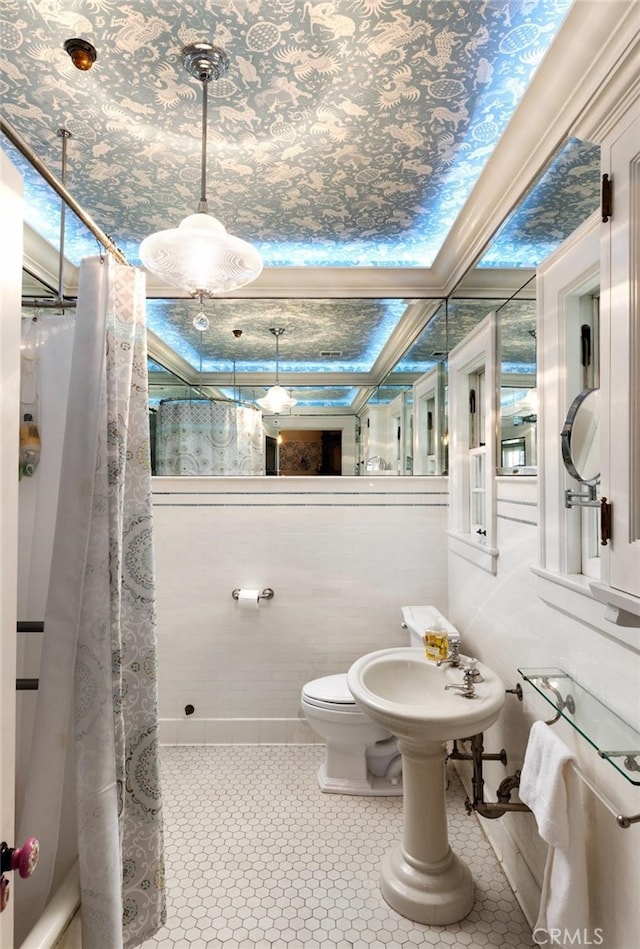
(345,134)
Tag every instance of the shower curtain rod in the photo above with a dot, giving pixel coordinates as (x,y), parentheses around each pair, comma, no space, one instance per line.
(37,163)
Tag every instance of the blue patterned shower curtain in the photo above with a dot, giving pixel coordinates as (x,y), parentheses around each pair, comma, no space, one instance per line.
(98,669)
(202,437)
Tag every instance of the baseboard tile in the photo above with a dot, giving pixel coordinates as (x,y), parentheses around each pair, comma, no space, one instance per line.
(236,731)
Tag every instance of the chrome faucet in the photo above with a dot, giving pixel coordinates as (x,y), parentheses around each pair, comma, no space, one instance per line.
(468,687)
(454,651)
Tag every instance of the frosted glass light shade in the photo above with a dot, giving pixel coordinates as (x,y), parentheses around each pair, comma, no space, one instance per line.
(276,400)
(200,256)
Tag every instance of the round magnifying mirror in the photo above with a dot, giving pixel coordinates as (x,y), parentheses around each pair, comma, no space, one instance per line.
(581,438)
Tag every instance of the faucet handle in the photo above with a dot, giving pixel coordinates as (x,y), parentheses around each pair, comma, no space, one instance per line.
(471,668)
(453,642)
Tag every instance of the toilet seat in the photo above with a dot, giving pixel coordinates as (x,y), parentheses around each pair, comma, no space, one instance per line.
(330,692)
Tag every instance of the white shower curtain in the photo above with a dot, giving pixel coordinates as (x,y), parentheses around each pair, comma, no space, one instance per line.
(98,666)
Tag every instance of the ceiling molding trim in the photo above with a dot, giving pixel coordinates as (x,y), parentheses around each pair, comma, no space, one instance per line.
(325,282)
(618,91)
(414,320)
(362,400)
(287,380)
(42,260)
(163,354)
(497,283)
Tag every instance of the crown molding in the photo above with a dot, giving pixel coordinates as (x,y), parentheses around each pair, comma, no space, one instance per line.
(326,282)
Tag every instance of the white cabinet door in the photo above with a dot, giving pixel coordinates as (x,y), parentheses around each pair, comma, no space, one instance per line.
(621,370)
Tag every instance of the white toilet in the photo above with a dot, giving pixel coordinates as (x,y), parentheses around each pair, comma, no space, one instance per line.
(361,757)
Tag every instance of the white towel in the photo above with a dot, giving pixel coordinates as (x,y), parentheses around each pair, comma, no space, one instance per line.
(549,786)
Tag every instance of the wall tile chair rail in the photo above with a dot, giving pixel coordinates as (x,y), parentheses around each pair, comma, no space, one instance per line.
(518,511)
(347,492)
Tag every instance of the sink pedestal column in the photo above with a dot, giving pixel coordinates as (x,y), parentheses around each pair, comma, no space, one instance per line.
(421,877)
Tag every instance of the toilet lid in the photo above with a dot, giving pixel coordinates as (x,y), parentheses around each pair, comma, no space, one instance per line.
(332,689)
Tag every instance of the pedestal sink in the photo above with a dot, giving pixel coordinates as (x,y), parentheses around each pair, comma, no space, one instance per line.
(421,877)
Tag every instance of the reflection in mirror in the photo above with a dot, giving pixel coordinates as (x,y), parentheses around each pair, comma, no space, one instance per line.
(350,350)
(329,356)
(430,422)
(421,448)
(386,424)
(564,194)
(517,449)
(425,364)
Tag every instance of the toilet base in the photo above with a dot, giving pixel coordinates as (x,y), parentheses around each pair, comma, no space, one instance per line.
(371,786)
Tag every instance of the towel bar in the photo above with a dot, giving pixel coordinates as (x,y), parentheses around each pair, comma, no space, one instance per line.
(621,820)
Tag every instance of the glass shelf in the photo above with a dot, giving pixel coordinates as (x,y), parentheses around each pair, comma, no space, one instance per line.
(612,738)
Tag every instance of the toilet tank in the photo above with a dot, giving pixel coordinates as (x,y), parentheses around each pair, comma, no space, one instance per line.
(418,619)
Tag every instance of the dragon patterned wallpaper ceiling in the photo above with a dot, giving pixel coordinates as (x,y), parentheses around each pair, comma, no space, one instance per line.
(346,133)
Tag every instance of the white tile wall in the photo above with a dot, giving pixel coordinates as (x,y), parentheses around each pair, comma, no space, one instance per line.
(505,623)
(343,555)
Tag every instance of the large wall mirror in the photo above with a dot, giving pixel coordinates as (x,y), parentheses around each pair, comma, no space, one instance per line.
(518,401)
(366,376)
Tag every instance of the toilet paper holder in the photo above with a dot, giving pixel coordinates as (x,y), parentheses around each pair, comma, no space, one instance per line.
(266,594)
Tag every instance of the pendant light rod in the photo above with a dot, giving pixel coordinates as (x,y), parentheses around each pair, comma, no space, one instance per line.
(64,134)
(9,132)
(276,398)
(277,332)
(204,62)
(202,206)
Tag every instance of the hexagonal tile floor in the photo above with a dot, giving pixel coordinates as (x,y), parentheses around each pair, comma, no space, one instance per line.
(257,856)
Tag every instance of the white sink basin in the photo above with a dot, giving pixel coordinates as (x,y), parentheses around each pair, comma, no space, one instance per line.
(405,692)
(421,877)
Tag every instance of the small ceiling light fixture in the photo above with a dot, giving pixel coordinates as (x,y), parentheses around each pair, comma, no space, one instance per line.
(199,256)
(276,398)
(83,54)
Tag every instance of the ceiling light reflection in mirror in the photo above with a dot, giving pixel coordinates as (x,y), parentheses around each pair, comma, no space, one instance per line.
(341,335)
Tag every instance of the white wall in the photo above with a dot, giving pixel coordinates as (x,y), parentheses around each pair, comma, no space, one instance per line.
(343,555)
(37,506)
(506,624)
(10,261)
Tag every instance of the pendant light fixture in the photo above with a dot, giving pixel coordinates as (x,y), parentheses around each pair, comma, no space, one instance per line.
(276,398)
(199,256)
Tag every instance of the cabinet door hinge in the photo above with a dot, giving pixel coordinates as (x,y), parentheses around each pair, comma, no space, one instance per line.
(606,196)
(605,521)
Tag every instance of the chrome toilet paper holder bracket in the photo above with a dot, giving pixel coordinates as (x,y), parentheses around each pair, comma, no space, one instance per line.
(266,594)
